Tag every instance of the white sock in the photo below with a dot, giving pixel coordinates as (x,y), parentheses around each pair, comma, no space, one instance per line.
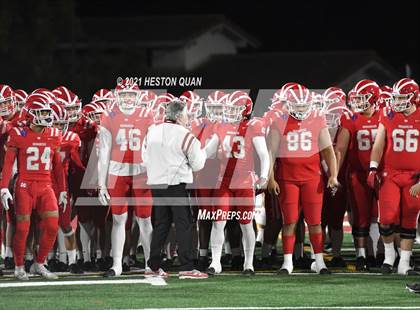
(319,260)
(260,235)
(361,252)
(85,231)
(72,256)
(374,235)
(204,252)
(248,243)
(9,252)
(404,264)
(336,241)
(266,250)
(288,262)
(118,240)
(389,253)
(146,229)
(217,237)
(62,256)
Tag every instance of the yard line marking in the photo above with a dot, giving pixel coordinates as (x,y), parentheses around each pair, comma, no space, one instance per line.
(286,308)
(155,281)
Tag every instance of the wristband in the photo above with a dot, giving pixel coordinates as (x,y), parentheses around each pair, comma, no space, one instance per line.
(373,165)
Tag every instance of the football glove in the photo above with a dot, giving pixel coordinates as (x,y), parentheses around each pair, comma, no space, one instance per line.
(62,200)
(104,196)
(5,197)
(373,178)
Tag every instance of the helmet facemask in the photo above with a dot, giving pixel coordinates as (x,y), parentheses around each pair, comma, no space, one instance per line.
(360,102)
(299,110)
(214,112)
(127,99)
(401,102)
(232,113)
(62,125)
(73,112)
(41,117)
(7,106)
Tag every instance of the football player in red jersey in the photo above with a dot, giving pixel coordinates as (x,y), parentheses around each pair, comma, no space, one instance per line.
(121,175)
(69,151)
(37,151)
(298,140)
(238,136)
(356,137)
(206,179)
(334,207)
(158,107)
(21,97)
(104,96)
(89,217)
(397,148)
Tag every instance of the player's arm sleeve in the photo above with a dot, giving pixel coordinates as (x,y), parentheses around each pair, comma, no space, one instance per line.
(211,146)
(262,151)
(75,155)
(195,155)
(105,144)
(58,171)
(7,171)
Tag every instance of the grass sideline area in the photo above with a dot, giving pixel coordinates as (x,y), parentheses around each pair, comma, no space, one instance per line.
(230,290)
(343,289)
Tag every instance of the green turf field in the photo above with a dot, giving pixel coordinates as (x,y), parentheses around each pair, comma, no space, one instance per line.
(344,288)
(221,291)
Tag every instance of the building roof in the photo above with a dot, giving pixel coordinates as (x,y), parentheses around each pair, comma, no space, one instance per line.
(158,31)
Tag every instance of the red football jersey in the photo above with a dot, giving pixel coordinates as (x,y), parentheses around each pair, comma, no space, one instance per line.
(207,177)
(237,152)
(84,128)
(35,152)
(402,140)
(298,154)
(69,150)
(362,131)
(128,133)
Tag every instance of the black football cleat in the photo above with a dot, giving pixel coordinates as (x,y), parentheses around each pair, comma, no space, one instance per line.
(62,267)
(9,263)
(283,272)
(211,271)
(53,264)
(361,264)
(324,271)
(386,269)
(125,267)
(75,269)
(109,274)
(413,288)
(336,262)
(248,272)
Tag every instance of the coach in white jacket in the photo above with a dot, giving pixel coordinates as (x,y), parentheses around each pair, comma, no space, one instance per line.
(171,153)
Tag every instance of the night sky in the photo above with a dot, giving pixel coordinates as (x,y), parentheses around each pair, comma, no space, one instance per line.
(392,29)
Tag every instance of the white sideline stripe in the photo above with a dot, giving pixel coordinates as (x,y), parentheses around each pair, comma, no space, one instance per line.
(152,280)
(285,308)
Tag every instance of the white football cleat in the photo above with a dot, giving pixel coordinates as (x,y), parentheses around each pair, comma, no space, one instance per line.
(42,271)
(21,274)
